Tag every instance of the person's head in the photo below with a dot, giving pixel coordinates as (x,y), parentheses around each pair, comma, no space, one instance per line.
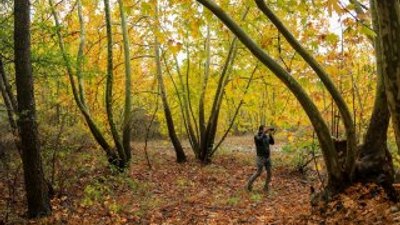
(262,129)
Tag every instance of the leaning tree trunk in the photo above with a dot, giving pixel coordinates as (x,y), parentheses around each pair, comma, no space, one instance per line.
(335,175)
(326,80)
(35,185)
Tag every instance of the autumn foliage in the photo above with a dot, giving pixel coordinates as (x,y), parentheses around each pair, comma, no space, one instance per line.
(143,112)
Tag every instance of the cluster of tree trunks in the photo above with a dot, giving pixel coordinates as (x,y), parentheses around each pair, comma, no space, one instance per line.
(119,155)
(200,131)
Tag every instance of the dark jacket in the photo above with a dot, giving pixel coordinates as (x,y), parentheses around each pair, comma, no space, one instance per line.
(262,142)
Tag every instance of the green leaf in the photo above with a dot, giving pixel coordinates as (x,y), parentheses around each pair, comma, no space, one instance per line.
(367,31)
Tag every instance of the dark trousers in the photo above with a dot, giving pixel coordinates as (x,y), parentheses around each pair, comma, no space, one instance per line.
(261,163)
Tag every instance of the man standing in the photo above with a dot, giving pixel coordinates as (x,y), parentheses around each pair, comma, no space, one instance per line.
(262,141)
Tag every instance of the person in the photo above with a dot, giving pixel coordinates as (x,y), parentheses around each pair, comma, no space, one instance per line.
(263,139)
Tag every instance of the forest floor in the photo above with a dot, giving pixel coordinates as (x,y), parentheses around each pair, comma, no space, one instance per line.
(88,192)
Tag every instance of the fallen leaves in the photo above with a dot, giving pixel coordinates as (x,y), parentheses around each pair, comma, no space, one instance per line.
(192,193)
(359,204)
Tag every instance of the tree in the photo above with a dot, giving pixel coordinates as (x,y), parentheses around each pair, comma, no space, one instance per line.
(35,184)
(110,82)
(121,154)
(8,98)
(375,161)
(180,154)
(127,127)
(340,176)
(201,128)
(388,20)
(326,143)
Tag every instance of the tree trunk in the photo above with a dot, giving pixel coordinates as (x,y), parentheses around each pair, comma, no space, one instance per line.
(8,88)
(7,98)
(127,127)
(180,154)
(204,147)
(109,85)
(35,185)
(388,15)
(186,106)
(375,161)
(80,57)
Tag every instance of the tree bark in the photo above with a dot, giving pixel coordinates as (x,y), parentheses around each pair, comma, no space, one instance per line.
(388,15)
(37,192)
(375,162)
(109,86)
(127,127)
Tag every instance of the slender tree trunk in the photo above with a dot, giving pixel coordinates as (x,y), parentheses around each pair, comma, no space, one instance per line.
(208,132)
(237,110)
(109,85)
(212,123)
(180,101)
(37,192)
(202,123)
(190,120)
(95,131)
(189,100)
(8,88)
(180,154)
(7,99)
(80,57)
(127,127)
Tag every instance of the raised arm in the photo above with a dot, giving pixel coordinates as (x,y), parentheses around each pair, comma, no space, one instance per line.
(271,139)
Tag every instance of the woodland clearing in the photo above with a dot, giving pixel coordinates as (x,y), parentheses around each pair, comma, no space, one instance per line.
(191,193)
